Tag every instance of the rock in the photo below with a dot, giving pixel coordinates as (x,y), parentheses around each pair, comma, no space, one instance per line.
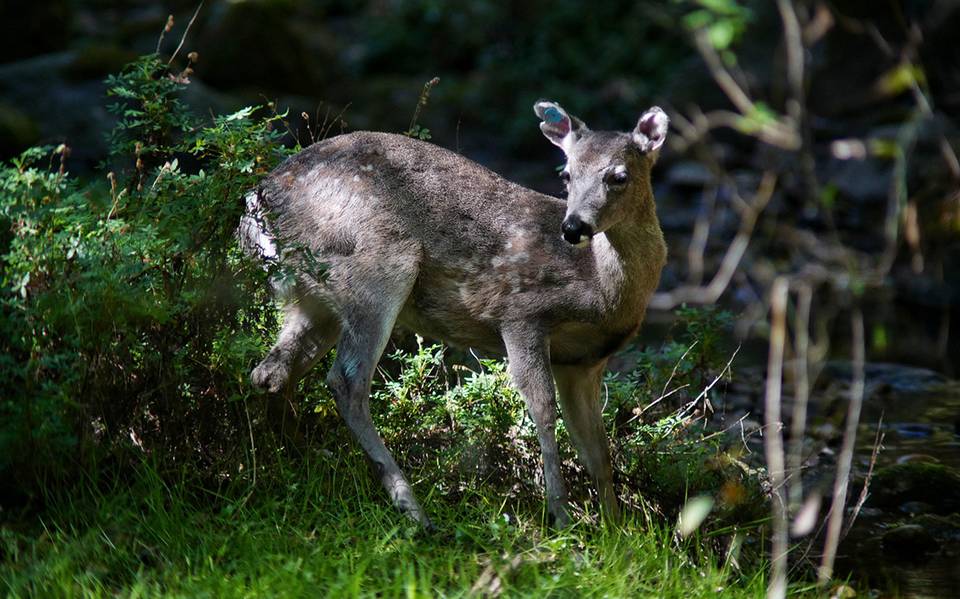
(842,591)
(933,484)
(911,430)
(17,130)
(909,541)
(895,378)
(916,507)
(917,457)
(35,27)
(39,88)
(96,61)
(945,529)
(863,181)
(826,431)
(263,45)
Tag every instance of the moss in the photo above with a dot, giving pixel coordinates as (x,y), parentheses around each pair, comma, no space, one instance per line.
(95,61)
(17,130)
(934,484)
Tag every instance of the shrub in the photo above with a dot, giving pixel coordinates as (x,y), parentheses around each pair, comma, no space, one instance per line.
(129,319)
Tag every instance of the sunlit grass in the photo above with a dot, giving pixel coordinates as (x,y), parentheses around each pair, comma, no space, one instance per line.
(323,528)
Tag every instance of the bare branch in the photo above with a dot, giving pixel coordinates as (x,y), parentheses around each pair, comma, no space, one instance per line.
(798,422)
(185,32)
(846,452)
(712,292)
(773,438)
(774,132)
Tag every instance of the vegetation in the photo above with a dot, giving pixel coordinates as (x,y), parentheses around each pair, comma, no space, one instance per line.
(128,319)
(322,528)
(139,460)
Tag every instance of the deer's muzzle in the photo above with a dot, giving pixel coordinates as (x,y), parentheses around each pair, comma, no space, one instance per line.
(575,231)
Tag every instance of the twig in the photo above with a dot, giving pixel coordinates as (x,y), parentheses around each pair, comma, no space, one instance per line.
(421,103)
(846,452)
(773,439)
(701,233)
(796,102)
(676,366)
(333,122)
(773,132)
(253,447)
(865,491)
(798,423)
(704,393)
(163,32)
(656,401)
(731,259)
(185,31)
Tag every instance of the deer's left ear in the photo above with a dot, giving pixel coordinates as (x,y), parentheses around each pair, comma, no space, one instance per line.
(559,127)
(651,130)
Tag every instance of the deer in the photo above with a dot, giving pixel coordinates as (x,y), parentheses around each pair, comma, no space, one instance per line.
(413,235)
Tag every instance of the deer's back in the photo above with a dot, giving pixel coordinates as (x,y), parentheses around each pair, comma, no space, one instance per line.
(484,249)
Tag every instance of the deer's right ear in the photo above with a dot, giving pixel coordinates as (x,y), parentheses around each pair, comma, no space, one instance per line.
(558,126)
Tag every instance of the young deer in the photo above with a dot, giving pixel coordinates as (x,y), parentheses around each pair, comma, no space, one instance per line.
(416,235)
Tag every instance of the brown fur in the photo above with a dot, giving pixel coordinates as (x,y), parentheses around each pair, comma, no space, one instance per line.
(416,235)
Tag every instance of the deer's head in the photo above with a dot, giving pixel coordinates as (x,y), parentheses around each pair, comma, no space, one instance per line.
(607,173)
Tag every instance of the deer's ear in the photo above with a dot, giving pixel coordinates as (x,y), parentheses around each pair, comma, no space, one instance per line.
(558,126)
(651,129)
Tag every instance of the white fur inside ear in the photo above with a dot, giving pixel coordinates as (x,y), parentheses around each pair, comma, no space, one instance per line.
(557,126)
(651,129)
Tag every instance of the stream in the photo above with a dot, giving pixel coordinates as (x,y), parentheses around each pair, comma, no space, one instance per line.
(906,538)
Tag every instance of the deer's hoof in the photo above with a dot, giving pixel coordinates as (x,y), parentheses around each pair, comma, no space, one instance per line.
(270,375)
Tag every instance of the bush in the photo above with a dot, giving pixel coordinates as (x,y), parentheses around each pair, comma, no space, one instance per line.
(129,320)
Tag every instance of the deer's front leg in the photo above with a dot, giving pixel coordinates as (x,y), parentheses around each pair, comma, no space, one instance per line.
(578,388)
(528,357)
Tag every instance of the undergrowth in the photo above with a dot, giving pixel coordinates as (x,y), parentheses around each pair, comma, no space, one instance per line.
(321,528)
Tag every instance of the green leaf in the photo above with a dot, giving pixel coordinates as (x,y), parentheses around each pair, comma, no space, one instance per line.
(721,34)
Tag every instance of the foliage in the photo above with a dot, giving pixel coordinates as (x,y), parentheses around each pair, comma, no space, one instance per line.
(518,52)
(474,428)
(128,315)
(458,432)
(724,21)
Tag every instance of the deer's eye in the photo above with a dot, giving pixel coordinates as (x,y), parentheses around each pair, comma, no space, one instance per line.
(616,178)
(565,176)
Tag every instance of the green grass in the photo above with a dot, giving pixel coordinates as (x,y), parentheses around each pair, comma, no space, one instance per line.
(322,528)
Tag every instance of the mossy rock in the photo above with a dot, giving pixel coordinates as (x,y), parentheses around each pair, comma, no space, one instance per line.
(909,541)
(96,61)
(262,44)
(17,131)
(933,484)
(945,529)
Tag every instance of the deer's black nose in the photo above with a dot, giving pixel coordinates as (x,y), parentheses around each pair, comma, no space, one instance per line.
(575,230)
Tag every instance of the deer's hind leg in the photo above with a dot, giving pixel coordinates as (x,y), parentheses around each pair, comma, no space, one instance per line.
(310,328)
(370,312)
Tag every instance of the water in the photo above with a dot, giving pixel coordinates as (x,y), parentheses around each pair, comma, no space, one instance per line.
(921,424)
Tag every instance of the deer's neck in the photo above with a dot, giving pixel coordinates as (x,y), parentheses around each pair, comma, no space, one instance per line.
(628,260)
